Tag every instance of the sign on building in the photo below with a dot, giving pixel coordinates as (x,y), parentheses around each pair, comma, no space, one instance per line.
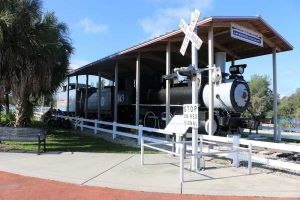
(246,35)
(190,115)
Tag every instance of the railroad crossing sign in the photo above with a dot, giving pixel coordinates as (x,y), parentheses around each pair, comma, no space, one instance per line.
(189,32)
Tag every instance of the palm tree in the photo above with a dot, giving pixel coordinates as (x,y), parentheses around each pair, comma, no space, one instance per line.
(34,53)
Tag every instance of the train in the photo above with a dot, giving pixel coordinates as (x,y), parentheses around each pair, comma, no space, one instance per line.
(231,99)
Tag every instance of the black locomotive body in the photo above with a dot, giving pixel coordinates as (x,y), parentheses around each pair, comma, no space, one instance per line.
(231,98)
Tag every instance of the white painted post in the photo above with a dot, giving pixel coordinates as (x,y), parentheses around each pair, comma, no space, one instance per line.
(76,88)
(210,81)
(99,96)
(274,91)
(137,90)
(177,145)
(279,129)
(195,92)
(81,124)
(142,151)
(168,70)
(96,126)
(116,92)
(235,143)
(114,129)
(86,96)
(140,132)
(250,159)
(201,151)
(181,163)
(68,96)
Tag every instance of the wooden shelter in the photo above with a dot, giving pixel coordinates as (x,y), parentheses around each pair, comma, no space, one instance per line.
(162,54)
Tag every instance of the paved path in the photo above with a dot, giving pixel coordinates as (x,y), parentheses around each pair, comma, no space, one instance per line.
(15,187)
(159,174)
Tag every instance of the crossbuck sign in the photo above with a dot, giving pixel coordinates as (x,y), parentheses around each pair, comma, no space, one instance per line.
(189,32)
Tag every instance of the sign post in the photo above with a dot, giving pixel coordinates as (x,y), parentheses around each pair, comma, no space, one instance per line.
(190,32)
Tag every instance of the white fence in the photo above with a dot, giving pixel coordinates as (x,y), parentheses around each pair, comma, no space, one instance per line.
(266,130)
(136,132)
(235,150)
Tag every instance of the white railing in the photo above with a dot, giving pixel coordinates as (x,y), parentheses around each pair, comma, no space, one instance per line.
(266,130)
(113,128)
(235,150)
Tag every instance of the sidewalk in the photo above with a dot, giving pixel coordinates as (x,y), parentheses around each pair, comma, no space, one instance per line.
(159,174)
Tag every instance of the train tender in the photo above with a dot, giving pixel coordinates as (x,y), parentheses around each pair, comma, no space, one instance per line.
(231,98)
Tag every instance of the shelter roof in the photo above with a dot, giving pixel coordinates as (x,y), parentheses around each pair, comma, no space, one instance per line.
(153,51)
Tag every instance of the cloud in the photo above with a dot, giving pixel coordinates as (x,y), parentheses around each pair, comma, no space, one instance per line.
(75,64)
(90,27)
(167,19)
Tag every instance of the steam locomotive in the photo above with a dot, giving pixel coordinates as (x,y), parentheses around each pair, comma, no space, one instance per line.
(231,98)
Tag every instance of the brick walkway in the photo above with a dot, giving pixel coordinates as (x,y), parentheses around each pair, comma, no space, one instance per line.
(15,187)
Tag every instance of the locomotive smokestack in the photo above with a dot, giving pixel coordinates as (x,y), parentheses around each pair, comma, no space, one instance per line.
(220,59)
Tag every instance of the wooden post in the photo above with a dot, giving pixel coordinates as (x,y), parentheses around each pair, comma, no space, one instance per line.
(137,90)
(275,92)
(76,88)
(86,96)
(68,96)
(116,92)
(168,69)
(210,81)
(195,96)
(99,96)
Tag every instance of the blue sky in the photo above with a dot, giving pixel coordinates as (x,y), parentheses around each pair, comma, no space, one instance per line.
(101,27)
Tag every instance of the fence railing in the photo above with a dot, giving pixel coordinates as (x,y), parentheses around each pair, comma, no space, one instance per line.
(137,132)
(113,128)
(282,132)
(235,149)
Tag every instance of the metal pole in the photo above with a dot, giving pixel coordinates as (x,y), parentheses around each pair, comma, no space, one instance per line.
(210,82)
(275,92)
(168,69)
(76,88)
(195,92)
(116,92)
(86,97)
(137,90)
(68,96)
(99,96)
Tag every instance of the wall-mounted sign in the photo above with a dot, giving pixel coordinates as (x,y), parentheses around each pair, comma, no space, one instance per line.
(190,115)
(246,35)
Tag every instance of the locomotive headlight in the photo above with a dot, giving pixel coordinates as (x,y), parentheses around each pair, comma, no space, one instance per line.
(237,69)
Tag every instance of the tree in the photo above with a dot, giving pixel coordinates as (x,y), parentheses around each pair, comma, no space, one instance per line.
(289,107)
(261,100)
(34,53)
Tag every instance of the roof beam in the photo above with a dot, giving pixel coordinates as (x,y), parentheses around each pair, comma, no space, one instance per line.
(222,48)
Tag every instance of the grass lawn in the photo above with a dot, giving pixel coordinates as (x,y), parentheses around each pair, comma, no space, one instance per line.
(70,141)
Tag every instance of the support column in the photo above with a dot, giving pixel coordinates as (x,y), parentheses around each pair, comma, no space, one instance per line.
(99,96)
(232,62)
(68,96)
(275,92)
(76,100)
(86,97)
(195,95)
(168,69)
(137,90)
(116,92)
(210,82)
